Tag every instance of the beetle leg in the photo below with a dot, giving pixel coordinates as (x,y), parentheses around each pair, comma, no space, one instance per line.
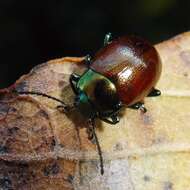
(90,134)
(114,112)
(154,92)
(114,119)
(87,60)
(107,39)
(118,106)
(140,106)
(74,78)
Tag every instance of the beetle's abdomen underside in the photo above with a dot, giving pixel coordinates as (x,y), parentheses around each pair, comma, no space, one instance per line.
(132,64)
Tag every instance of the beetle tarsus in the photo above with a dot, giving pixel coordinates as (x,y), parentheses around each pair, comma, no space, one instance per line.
(107,39)
(119,106)
(88,59)
(114,119)
(154,92)
(142,109)
(90,134)
(74,78)
(140,106)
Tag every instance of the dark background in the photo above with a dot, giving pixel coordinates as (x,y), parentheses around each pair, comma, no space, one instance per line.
(32,32)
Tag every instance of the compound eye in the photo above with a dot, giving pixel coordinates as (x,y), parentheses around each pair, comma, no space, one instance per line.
(105,95)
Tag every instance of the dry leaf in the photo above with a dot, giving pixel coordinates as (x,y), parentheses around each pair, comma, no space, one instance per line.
(43,148)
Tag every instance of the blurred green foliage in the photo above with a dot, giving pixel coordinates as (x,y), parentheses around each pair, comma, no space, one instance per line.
(155,8)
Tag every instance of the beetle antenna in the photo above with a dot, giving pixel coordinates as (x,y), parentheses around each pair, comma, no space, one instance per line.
(98,148)
(43,95)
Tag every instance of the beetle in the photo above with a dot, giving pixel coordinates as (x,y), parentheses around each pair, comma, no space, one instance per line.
(120,75)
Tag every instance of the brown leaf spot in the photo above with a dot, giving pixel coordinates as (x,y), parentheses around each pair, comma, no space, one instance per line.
(13,130)
(5,183)
(51,169)
(118,147)
(185,74)
(146,178)
(23,165)
(43,114)
(4,108)
(70,178)
(160,139)
(133,157)
(3,149)
(12,110)
(53,143)
(61,83)
(168,185)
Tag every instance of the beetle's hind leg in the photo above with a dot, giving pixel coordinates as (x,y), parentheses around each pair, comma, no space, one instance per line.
(140,106)
(107,39)
(154,92)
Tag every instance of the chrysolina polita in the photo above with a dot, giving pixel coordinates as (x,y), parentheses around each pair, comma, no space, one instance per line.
(120,75)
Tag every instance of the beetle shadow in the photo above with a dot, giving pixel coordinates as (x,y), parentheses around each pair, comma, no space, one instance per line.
(74,115)
(78,119)
(68,96)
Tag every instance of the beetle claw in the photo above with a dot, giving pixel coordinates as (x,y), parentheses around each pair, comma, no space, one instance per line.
(107,39)
(139,106)
(142,109)
(88,59)
(154,92)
